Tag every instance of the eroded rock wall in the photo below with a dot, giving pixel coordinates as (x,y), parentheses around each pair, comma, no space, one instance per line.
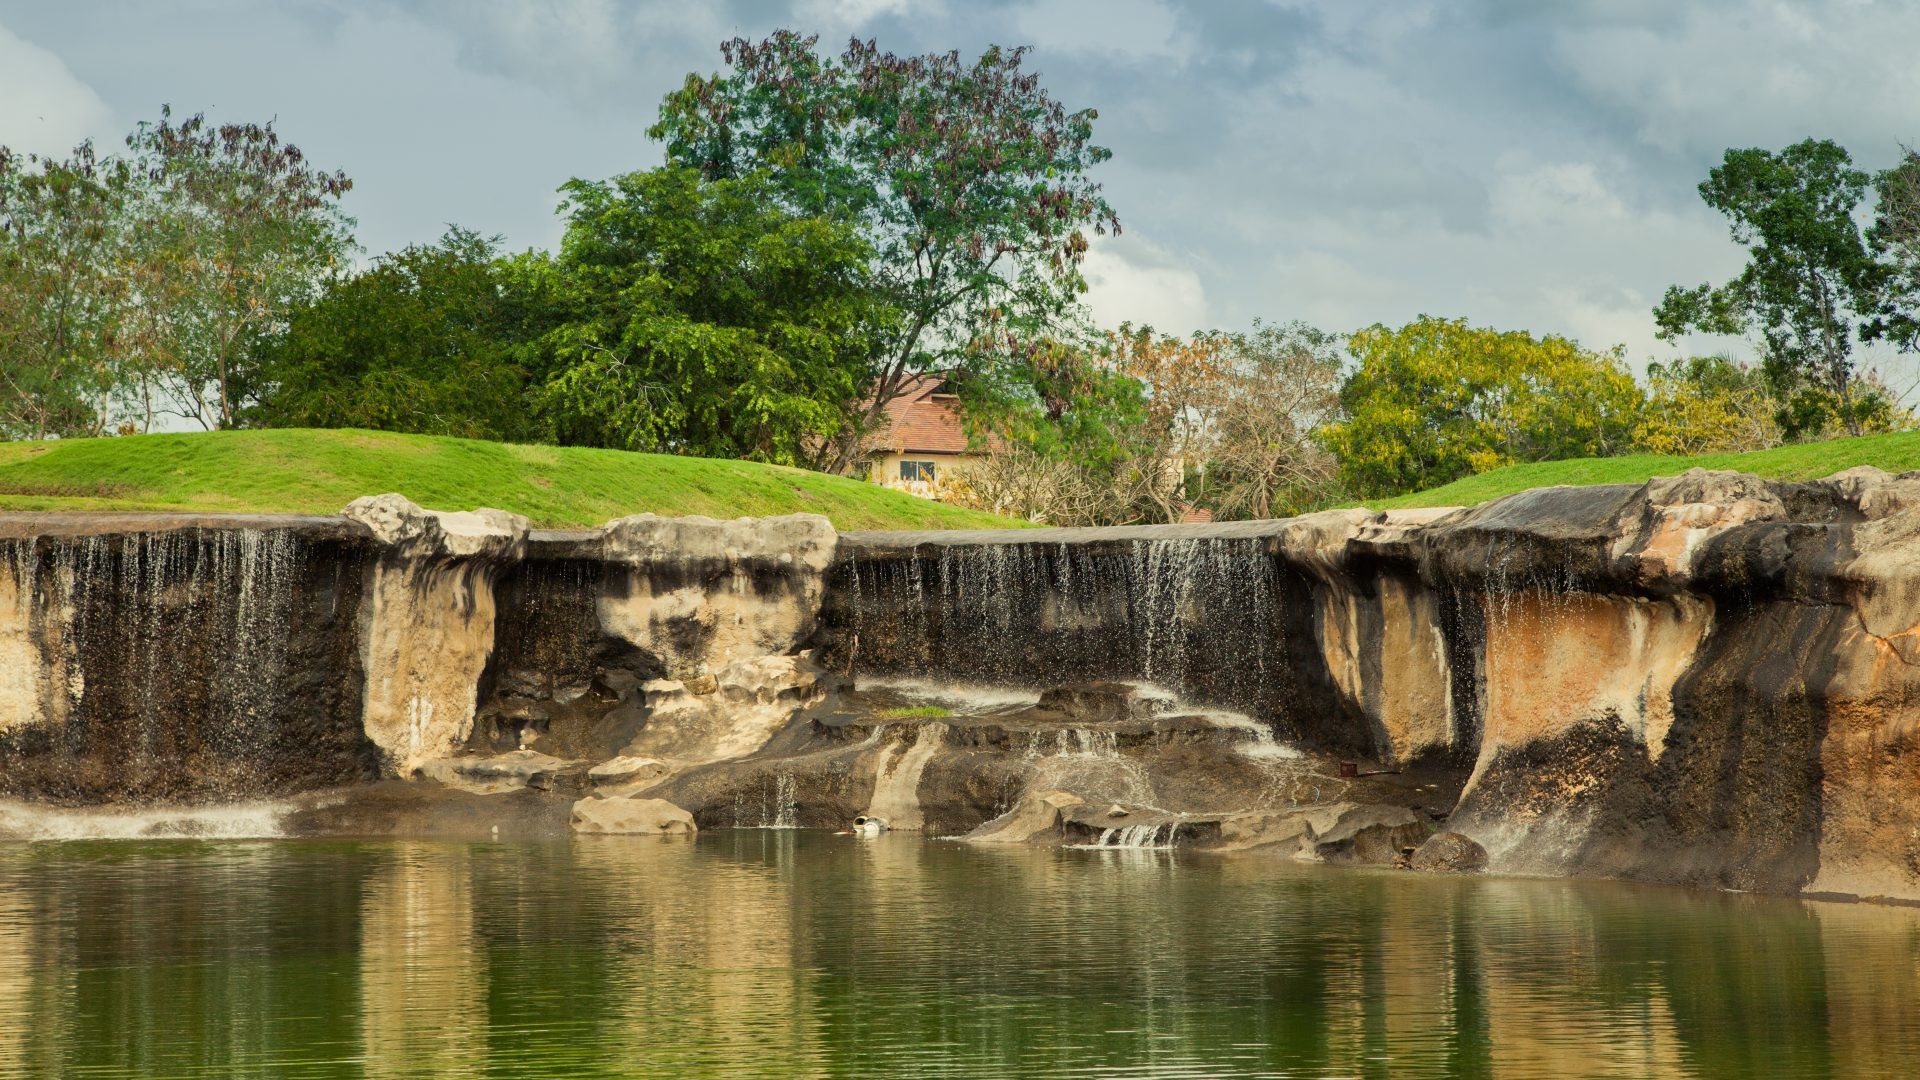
(179,657)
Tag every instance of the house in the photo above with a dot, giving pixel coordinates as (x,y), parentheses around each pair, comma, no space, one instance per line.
(922,443)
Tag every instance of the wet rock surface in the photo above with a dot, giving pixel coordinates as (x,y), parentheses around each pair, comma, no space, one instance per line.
(1707,679)
(1449,853)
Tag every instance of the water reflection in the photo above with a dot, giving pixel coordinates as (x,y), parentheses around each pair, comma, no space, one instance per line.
(800,954)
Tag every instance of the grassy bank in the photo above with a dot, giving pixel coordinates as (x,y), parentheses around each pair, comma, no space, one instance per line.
(319,472)
(1898,452)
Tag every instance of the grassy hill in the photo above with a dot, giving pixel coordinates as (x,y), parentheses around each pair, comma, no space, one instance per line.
(1897,452)
(319,472)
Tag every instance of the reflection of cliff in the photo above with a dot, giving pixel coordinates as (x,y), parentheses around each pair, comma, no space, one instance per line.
(423,972)
(713,972)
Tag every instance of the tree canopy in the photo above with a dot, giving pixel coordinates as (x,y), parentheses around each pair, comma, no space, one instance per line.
(700,317)
(1437,399)
(1810,282)
(967,181)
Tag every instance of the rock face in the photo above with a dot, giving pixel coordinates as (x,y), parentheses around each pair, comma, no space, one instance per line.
(178,658)
(1449,853)
(639,817)
(1707,679)
(429,622)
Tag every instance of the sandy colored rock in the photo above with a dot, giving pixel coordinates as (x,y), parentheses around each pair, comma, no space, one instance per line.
(499,773)
(1036,815)
(427,631)
(627,816)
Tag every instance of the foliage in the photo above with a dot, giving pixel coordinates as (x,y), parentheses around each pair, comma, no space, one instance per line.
(1062,430)
(1436,400)
(1706,404)
(421,341)
(62,291)
(1810,277)
(1278,386)
(304,471)
(1895,239)
(966,179)
(697,317)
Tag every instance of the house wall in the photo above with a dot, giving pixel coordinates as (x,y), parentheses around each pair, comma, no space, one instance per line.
(886,471)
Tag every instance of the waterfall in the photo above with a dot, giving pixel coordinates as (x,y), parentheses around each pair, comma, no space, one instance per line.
(786,803)
(178,664)
(1207,614)
(1139,837)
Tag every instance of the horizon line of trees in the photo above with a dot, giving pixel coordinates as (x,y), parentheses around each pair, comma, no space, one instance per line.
(828,227)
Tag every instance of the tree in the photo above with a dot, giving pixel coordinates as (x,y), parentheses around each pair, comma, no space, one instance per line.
(1069,439)
(1895,240)
(234,231)
(967,181)
(421,341)
(699,317)
(62,291)
(1810,279)
(1707,404)
(1436,400)
(1278,386)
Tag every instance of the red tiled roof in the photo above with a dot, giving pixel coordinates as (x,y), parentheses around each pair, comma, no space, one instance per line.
(922,420)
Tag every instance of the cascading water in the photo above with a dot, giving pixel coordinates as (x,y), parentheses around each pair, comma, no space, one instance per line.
(1212,615)
(180,664)
(1139,837)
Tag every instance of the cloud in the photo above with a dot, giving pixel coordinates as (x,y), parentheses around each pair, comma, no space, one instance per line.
(1130,280)
(47,110)
(1133,29)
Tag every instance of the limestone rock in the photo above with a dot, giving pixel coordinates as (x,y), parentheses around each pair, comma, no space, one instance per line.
(1036,814)
(627,771)
(428,631)
(1449,853)
(643,817)
(1370,834)
(512,771)
(754,698)
(700,594)
(1283,829)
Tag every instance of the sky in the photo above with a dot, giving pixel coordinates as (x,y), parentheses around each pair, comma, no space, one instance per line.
(1524,164)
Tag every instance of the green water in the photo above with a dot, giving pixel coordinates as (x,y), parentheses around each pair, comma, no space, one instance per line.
(798,954)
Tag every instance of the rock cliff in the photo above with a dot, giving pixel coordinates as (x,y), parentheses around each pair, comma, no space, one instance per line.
(1707,679)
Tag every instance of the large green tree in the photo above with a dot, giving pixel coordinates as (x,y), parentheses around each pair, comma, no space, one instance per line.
(1436,400)
(965,178)
(62,291)
(699,316)
(1811,280)
(424,340)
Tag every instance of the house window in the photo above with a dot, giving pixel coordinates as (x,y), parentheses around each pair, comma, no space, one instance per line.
(917,470)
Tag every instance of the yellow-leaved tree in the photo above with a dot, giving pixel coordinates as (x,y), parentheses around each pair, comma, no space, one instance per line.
(1436,400)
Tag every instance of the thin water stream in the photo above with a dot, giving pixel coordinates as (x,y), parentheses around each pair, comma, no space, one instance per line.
(793,953)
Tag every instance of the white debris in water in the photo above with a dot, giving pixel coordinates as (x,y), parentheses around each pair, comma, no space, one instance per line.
(230,821)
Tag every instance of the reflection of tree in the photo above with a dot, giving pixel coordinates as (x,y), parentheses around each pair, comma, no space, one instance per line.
(423,977)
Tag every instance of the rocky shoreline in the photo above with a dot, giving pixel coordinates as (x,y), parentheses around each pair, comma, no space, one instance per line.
(1705,680)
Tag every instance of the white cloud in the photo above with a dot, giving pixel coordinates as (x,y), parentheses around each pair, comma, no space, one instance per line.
(1764,73)
(1135,29)
(1132,281)
(44,109)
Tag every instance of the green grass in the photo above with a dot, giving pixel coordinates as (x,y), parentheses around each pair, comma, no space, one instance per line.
(916,712)
(300,471)
(1895,453)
